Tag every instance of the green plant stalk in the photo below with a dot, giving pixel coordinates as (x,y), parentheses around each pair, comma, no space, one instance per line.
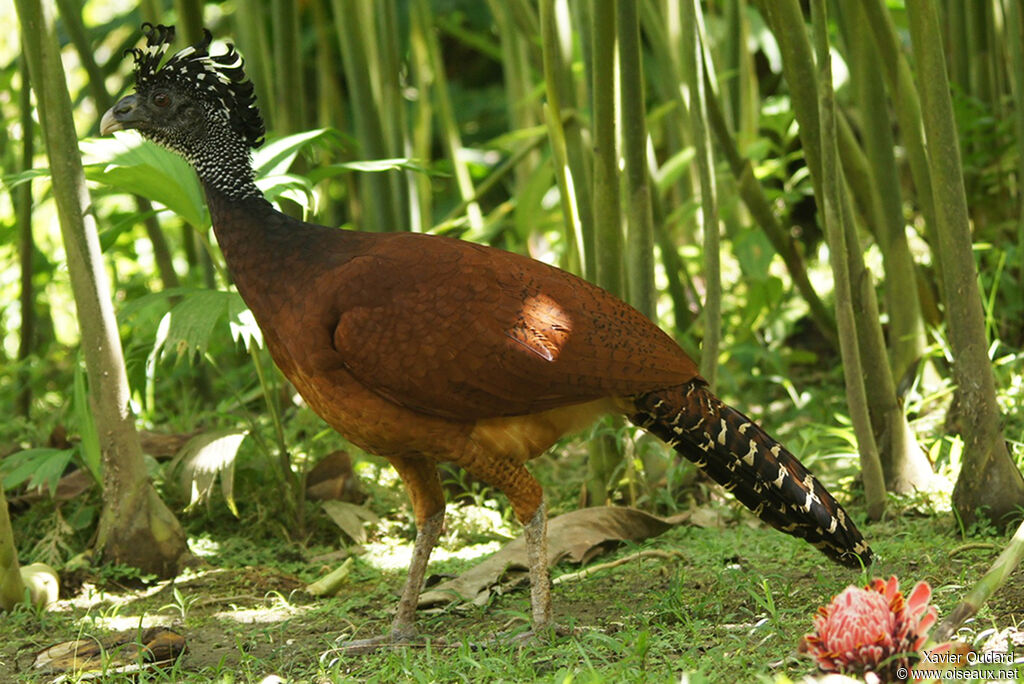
(989,476)
(988,585)
(571,156)
(71,15)
(254,42)
(836,231)
(693,66)
(374,188)
(639,218)
(423,126)
(567,191)
(906,321)
(900,83)
(1015,45)
(605,456)
(288,76)
(760,208)
(26,247)
(190,19)
(284,460)
(494,177)
(607,210)
(404,189)
(523,112)
(135,528)
(446,114)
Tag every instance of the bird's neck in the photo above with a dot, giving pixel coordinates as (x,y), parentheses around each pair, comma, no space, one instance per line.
(225,169)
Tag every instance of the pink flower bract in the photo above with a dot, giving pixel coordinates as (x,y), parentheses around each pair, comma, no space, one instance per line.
(874,629)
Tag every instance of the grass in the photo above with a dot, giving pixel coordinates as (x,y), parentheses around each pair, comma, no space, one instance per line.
(732,608)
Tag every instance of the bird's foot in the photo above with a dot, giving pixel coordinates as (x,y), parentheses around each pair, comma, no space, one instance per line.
(542,633)
(393,640)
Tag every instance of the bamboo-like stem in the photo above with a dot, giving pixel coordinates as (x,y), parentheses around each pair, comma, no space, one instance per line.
(135,526)
(253,39)
(190,19)
(836,231)
(900,83)
(608,241)
(607,210)
(995,578)
(288,76)
(26,246)
(639,220)
(570,154)
(1015,44)
(760,208)
(521,102)
(398,142)
(423,125)
(71,14)
(694,70)
(989,478)
(906,321)
(354,34)
(446,114)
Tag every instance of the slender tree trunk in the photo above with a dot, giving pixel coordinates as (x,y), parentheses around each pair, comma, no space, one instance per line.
(572,158)
(26,247)
(989,480)
(135,528)
(863,356)
(639,218)
(838,229)
(609,272)
(694,68)
(906,322)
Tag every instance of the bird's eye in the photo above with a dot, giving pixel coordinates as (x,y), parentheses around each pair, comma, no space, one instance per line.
(161,99)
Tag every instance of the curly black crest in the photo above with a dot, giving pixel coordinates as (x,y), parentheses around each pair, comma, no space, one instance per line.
(218,79)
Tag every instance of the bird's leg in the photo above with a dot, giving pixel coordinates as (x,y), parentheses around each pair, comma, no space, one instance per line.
(403,627)
(424,487)
(536,535)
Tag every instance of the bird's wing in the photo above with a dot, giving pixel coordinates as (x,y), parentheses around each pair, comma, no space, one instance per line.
(448,328)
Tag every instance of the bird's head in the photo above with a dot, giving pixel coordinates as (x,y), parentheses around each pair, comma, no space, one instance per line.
(197,104)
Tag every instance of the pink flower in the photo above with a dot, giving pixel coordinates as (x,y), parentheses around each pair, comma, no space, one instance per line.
(873,629)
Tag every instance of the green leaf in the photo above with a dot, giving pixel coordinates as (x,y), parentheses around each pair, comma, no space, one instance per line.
(130,163)
(243,324)
(203,458)
(38,467)
(275,158)
(15,179)
(89,449)
(189,326)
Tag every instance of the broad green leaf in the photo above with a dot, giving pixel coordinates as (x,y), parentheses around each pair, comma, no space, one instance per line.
(37,467)
(275,158)
(130,163)
(190,324)
(203,458)
(243,323)
(15,179)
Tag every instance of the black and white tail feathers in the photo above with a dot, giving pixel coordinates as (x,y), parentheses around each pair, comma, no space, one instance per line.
(746,461)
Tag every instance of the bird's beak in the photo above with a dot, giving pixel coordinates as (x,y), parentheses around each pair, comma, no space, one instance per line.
(123,115)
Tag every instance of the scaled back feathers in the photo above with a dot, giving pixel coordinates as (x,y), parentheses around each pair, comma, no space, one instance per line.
(218,79)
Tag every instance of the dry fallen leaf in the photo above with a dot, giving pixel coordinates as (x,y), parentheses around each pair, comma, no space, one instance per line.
(577,536)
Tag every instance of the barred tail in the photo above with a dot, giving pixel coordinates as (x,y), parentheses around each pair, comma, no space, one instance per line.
(746,461)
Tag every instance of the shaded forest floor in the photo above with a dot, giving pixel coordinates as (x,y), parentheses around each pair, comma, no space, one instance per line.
(731,606)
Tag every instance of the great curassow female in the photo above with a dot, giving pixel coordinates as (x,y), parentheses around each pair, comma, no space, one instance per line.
(424,349)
